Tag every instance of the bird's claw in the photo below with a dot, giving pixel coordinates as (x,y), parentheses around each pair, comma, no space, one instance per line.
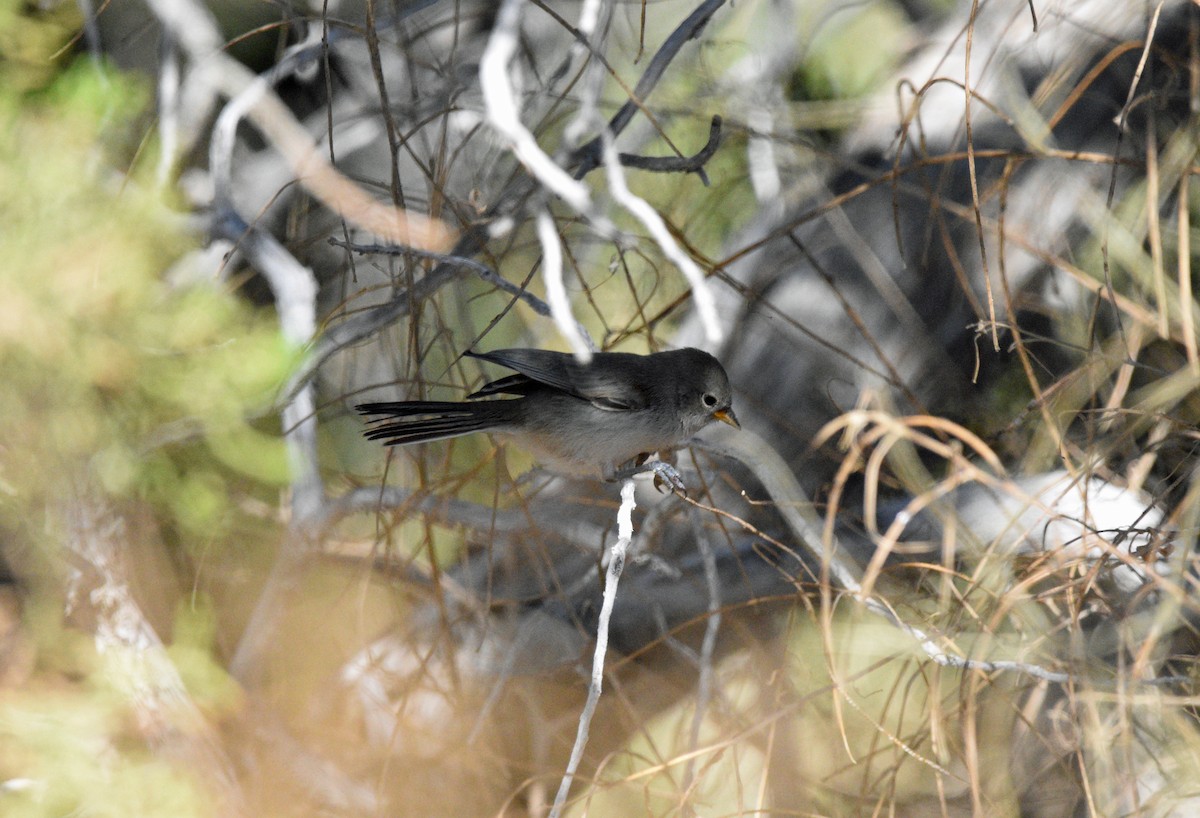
(664,475)
(668,475)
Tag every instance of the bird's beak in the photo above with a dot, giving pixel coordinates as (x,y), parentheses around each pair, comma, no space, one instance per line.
(727,416)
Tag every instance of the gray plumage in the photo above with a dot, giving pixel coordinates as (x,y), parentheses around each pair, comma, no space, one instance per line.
(575,418)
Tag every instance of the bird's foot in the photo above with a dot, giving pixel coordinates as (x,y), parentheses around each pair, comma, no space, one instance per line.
(664,473)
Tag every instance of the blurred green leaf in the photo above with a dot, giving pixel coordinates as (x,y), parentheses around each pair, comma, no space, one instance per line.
(106,362)
(60,746)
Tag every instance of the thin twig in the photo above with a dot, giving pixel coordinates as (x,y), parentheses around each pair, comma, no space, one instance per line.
(485,272)
(796,509)
(253,98)
(712,627)
(560,306)
(679,164)
(706,305)
(616,565)
(509,203)
(501,106)
(591,155)
(366,323)
(587,44)
(1122,119)
(295,290)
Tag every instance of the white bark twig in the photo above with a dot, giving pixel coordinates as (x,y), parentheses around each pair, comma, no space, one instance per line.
(616,565)
(503,114)
(556,292)
(706,307)
(136,664)
(295,290)
(588,115)
(502,111)
(167,90)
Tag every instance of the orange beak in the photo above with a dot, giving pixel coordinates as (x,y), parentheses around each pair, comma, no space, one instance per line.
(727,416)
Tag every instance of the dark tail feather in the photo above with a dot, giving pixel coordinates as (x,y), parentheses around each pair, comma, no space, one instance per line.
(428,420)
(407,408)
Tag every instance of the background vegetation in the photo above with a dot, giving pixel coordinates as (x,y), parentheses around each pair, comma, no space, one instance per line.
(953,578)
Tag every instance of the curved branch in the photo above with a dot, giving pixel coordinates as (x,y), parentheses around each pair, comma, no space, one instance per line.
(591,155)
(679,164)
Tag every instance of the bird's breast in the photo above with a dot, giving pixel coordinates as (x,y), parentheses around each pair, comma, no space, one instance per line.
(570,435)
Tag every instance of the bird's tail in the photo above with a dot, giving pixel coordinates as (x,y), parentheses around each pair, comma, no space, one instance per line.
(420,421)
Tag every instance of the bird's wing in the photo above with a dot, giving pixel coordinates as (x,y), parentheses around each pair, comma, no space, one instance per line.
(610,381)
(512,385)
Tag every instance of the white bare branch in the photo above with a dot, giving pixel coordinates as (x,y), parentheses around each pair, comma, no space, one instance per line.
(616,564)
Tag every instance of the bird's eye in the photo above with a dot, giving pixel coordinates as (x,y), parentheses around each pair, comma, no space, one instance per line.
(710,401)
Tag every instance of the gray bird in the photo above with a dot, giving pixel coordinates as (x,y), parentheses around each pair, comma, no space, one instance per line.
(598,419)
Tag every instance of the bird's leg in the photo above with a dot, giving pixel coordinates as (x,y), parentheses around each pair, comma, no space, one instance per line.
(664,473)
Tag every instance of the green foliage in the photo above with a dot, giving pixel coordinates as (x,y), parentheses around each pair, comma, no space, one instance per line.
(840,65)
(107,366)
(192,655)
(156,391)
(68,744)
(31,38)
(62,747)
